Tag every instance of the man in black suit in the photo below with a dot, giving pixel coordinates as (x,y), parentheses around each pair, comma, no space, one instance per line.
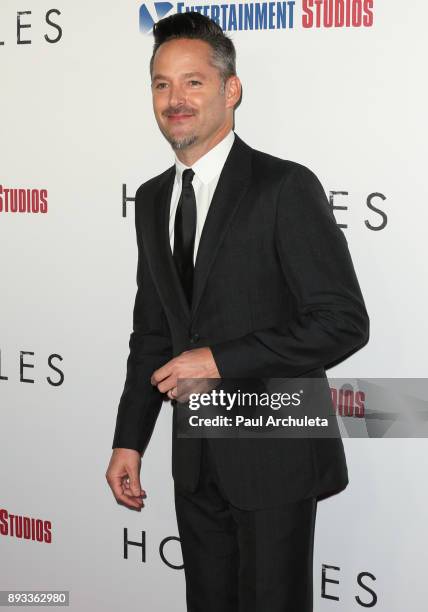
(242,273)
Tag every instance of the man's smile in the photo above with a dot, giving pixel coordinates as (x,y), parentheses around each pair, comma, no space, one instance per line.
(179,117)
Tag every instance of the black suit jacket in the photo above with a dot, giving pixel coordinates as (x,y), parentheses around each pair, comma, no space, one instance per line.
(275,295)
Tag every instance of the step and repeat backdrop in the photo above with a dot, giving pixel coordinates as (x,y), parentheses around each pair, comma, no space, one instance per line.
(337,85)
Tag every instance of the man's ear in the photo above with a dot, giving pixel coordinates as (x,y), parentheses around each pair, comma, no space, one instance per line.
(233,91)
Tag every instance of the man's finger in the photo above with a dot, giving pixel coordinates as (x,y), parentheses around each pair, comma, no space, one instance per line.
(127,486)
(172,393)
(167,384)
(161,373)
(117,489)
(130,495)
(134,485)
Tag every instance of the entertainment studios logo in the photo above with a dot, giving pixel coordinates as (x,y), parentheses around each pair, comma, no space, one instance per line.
(237,16)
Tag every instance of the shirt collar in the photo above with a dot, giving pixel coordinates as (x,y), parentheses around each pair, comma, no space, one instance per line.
(209,165)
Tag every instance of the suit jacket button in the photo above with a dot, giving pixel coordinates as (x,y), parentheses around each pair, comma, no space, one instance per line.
(194,338)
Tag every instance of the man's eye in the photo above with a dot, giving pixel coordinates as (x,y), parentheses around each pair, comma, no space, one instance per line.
(192,82)
(160,85)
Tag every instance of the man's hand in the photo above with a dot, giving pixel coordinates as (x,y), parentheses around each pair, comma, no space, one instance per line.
(196,363)
(123,476)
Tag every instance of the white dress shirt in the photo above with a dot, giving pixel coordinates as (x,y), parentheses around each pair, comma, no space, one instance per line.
(207,172)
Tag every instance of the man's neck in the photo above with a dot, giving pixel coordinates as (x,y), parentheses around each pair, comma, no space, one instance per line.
(190,155)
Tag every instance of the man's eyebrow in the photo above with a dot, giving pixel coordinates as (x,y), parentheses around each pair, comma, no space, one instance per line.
(186,75)
(159,76)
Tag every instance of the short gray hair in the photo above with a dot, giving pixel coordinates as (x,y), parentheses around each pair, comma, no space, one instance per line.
(196,25)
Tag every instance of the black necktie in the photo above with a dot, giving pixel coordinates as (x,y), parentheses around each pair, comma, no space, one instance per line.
(184,233)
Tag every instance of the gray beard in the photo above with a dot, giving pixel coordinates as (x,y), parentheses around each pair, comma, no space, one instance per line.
(183,143)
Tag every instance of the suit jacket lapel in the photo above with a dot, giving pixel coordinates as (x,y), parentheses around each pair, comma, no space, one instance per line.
(156,237)
(231,187)
(232,184)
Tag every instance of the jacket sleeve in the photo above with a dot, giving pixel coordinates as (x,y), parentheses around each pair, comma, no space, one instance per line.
(330,319)
(150,347)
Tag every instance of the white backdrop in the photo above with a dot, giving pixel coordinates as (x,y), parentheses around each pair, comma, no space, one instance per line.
(76,120)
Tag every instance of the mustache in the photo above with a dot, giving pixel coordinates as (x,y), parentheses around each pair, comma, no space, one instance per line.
(182,110)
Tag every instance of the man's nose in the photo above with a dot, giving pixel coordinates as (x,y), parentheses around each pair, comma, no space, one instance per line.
(176,95)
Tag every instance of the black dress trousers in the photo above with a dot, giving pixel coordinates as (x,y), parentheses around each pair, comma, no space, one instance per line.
(244,560)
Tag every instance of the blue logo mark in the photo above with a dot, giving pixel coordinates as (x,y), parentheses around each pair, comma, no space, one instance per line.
(147,21)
